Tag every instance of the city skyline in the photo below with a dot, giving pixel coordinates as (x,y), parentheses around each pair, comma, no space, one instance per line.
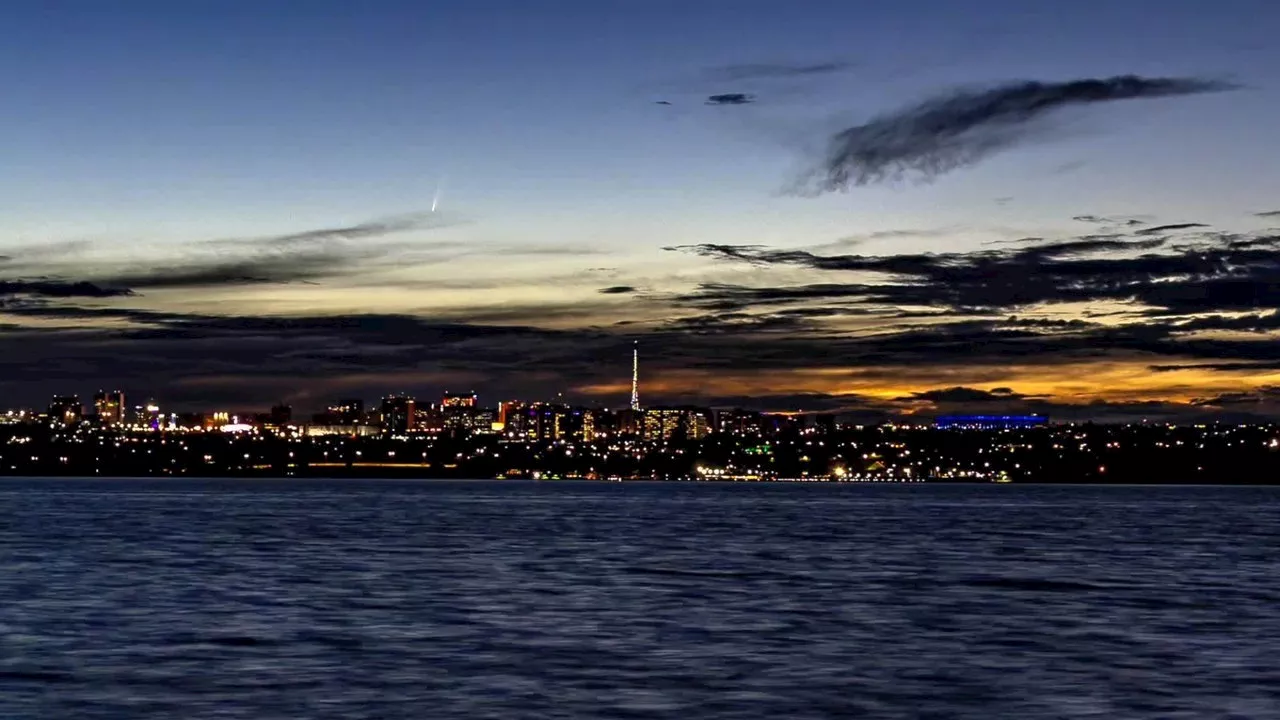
(516,198)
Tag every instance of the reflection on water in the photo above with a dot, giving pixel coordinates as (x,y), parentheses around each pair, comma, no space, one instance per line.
(362,600)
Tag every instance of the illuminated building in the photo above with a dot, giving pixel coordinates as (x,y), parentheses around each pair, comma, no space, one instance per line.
(147,415)
(66,410)
(356,430)
(739,422)
(453,400)
(675,424)
(110,407)
(697,424)
(347,412)
(459,412)
(661,423)
(398,414)
(535,421)
(990,422)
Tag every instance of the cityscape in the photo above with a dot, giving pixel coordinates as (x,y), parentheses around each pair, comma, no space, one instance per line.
(459,437)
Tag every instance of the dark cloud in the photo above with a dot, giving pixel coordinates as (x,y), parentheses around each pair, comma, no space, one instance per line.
(1110,220)
(617,290)
(965,395)
(295,257)
(60,289)
(731,99)
(1215,274)
(303,266)
(1268,214)
(1227,367)
(774,71)
(966,127)
(1262,395)
(1169,228)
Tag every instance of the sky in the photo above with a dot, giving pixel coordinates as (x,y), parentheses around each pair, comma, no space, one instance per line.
(241,203)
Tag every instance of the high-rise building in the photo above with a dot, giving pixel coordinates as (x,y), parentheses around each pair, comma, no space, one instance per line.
(398,414)
(663,423)
(459,411)
(147,415)
(696,424)
(66,410)
(110,407)
(452,400)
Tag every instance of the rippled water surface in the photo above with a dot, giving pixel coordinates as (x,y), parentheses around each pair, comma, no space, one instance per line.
(366,599)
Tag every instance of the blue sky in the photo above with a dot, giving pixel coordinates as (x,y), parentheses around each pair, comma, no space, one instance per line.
(143,127)
(198,118)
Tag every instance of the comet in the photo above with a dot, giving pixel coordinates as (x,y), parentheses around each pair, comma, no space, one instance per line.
(435,199)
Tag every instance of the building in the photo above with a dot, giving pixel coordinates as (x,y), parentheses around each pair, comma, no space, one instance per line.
(347,412)
(455,400)
(66,410)
(697,424)
(683,423)
(661,423)
(109,407)
(459,411)
(989,422)
(281,416)
(739,422)
(535,421)
(147,415)
(398,415)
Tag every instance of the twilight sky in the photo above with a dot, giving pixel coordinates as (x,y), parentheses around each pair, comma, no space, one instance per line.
(229,203)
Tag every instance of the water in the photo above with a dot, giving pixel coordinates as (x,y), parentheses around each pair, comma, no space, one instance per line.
(369,599)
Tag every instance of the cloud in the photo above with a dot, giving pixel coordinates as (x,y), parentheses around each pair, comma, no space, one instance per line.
(359,231)
(731,99)
(1262,395)
(774,71)
(1169,228)
(965,395)
(968,126)
(880,335)
(1214,274)
(1110,220)
(60,289)
(1268,214)
(294,257)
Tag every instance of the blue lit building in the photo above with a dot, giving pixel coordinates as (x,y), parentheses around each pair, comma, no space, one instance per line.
(990,422)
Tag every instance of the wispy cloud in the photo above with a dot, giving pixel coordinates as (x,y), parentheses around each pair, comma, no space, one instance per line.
(306,256)
(731,99)
(965,127)
(774,71)
(60,289)
(1215,273)
(1170,228)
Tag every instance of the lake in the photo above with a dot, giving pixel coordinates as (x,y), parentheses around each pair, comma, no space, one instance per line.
(399,599)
